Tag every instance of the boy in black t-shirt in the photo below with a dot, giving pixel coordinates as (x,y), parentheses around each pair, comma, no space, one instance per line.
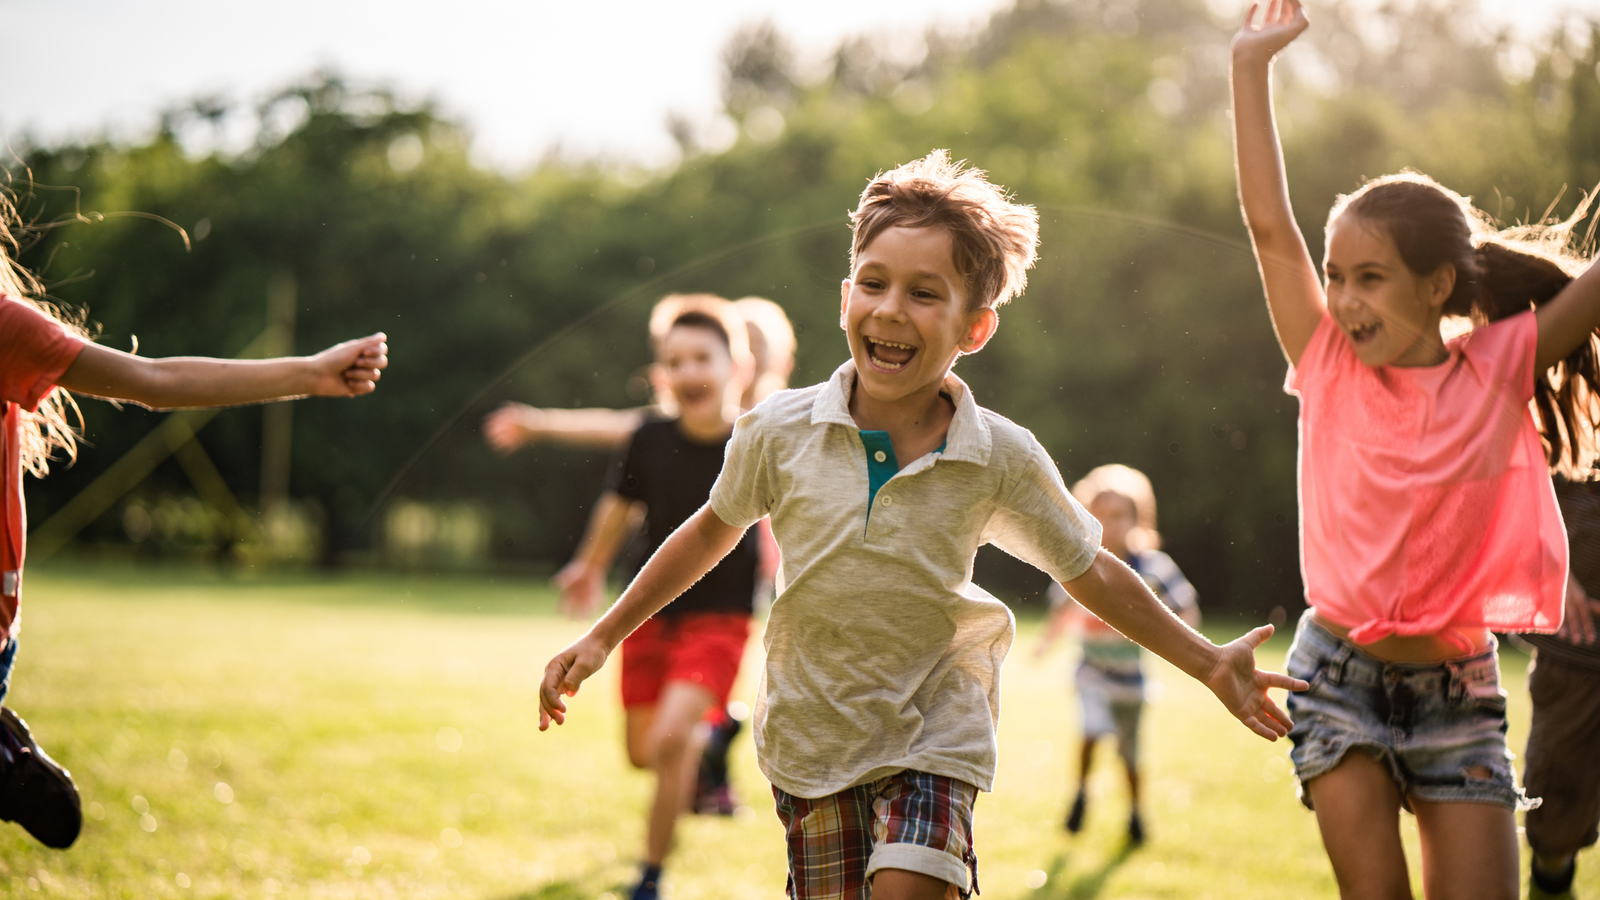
(681,664)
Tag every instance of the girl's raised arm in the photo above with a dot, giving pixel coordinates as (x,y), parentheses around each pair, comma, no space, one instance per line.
(1568,319)
(1294,293)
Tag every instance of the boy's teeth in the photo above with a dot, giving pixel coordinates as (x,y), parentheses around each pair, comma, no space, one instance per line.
(877,349)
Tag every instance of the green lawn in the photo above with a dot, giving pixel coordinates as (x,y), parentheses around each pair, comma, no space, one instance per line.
(376,736)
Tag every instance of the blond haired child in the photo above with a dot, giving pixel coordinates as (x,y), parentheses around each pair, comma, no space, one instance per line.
(772,344)
(875,719)
(43,355)
(679,666)
(1110,677)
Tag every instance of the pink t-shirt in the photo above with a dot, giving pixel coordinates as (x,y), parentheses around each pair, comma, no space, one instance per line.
(1425,499)
(34,351)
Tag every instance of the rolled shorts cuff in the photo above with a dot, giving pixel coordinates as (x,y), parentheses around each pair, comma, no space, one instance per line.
(924,860)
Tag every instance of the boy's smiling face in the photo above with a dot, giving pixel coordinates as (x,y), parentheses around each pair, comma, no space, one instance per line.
(905,312)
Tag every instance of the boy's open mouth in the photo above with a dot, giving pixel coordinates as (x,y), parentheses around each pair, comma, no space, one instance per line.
(689,396)
(888,354)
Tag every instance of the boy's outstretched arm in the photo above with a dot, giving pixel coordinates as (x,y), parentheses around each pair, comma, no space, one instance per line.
(698,545)
(343,370)
(515,425)
(1112,591)
(1294,293)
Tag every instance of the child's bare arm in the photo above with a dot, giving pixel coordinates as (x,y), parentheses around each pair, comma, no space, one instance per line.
(583,580)
(1056,622)
(1294,293)
(514,425)
(343,370)
(1112,591)
(1568,319)
(698,545)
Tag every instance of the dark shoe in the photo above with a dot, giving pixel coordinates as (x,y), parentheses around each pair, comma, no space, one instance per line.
(719,801)
(35,792)
(1075,817)
(648,887)
(712,794)
(1135,830)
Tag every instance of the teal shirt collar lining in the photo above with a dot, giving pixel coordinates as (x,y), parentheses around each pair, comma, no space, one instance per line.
(968,439)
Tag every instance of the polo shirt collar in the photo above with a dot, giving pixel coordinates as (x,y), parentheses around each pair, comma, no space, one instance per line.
(968,440)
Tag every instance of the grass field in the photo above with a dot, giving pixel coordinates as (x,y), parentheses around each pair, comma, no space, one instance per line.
(376,736)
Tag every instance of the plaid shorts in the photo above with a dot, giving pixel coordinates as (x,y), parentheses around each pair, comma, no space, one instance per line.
(910,820)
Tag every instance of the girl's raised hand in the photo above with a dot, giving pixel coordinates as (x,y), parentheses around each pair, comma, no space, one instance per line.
(1279,24)
(1242,687)
(352,368)
(564,675)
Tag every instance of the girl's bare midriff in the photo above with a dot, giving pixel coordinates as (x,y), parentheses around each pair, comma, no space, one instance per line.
(1422,648)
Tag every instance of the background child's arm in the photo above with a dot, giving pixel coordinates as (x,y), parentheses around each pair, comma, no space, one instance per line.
(343,370)
(514,425)
(583,580)
(1062,616)
(1568,319)
(1294,293)
(1116,594)
(698,545)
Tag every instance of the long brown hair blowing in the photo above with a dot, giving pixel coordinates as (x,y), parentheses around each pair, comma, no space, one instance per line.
(48,428)
(1499,272)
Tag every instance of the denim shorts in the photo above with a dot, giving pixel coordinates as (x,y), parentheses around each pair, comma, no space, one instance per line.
(1428,723)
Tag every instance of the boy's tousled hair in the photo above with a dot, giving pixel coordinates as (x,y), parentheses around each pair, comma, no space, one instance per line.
(1499,272)
(48,428)
(993,240)
(1129,483)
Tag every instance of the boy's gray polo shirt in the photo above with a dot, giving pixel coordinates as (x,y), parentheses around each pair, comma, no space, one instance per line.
(882,654)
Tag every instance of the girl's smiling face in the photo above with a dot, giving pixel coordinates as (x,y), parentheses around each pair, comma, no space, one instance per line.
(906,315)
(1389,313)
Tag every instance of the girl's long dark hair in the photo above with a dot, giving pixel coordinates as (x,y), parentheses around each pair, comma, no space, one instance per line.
(1499,272)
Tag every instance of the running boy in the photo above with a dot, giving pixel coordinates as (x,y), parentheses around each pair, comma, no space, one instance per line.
(1110,679)
(681,664)
(875,719)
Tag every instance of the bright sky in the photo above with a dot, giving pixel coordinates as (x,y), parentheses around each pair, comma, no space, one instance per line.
(595,77)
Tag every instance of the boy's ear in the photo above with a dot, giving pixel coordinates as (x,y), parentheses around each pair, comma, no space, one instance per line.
(981,326)
(844,302)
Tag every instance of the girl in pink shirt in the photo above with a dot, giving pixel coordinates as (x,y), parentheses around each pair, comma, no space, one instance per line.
(42,356)
(1427,515)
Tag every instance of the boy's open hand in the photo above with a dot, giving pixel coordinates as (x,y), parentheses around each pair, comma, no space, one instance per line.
(1260,38)
(582,587)
(1242,687)
(563,676)
(352,368)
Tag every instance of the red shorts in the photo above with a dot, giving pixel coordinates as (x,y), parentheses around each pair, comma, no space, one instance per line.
(700,648)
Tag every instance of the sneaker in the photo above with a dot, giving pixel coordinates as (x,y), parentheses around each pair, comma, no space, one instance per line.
(718,801)
(648,887)
(713,796)
(1135,829)
(1075,816)
(35,791)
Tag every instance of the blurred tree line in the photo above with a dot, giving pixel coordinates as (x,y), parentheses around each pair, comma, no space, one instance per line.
(1142,338)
